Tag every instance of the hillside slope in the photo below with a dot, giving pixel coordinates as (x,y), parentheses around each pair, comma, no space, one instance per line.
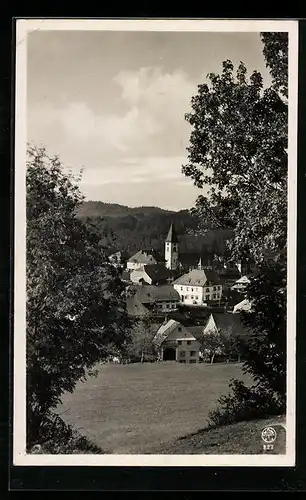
(129,229)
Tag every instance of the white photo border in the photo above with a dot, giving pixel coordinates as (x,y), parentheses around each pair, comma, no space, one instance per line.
(23,28)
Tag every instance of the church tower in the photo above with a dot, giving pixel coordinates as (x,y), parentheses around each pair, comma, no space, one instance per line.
(171,249)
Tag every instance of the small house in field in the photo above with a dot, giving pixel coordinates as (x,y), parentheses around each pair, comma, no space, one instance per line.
(175,343)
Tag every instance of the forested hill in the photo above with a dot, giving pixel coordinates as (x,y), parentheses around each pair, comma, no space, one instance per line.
(129,229)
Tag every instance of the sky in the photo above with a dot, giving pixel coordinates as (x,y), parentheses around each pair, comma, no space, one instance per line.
(113,103)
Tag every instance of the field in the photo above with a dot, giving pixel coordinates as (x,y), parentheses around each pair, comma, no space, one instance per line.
(138,408)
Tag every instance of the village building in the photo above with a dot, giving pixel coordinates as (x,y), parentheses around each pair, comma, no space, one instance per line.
(241,284)
(152,274)
(144,258)
(175,343)
(149,300)
(244,305)
(199,287)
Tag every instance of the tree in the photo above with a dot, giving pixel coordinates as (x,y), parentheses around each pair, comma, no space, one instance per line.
(238,148)
(75,306)
(213,344)
(141,345)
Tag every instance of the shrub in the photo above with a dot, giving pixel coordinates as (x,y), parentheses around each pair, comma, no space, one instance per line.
(246,403)
(57,437)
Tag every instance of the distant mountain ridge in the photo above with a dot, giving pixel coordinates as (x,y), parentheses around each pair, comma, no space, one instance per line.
(131,228)
(101,209)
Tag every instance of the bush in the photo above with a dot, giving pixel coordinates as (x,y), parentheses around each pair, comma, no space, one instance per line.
(246,403)
(57,437)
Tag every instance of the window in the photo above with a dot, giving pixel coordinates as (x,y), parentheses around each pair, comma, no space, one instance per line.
(214,288)
(186,296)
(214,296)
(179,342)
(207,289)
(196,297)
(207,297)
(181,288)
(188,342)
(193,353)
(173,306)
(187,289)
(192,289)
(191,297)
(180,329)
(219,287)
(182,354)
(218,295)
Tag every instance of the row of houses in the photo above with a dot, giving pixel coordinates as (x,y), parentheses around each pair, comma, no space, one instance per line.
(190,344)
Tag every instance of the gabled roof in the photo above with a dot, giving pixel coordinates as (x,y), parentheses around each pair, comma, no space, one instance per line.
(146,257)
(244,305)
(164,330)
(197,331)
(243,279)
(198,277)
(148,294)
(136,308)
(229,323)
(172,236)
(157,272)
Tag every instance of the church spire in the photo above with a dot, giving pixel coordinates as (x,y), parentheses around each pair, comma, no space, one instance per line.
(200,264)
(172,236)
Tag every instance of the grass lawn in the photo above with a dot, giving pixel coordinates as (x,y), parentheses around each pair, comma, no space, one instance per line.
(243,438)
(140,407)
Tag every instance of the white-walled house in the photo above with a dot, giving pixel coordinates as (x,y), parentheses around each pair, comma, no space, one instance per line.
(198,287)
(143,258)
(176,343)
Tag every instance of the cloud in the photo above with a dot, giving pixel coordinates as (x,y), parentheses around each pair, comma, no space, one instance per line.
(149,121)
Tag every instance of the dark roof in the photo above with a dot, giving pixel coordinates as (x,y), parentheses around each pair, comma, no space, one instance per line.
(172,236)
(197,331)
(148,294)
(230,322)
(158,272)
(136,308)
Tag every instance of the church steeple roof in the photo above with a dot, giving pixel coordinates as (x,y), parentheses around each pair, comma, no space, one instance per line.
(172,236)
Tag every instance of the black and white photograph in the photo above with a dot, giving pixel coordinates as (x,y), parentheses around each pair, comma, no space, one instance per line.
(155,242)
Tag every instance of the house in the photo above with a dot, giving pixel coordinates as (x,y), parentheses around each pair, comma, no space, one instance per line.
(153,274)
(244,305)
(118,259)
(175,343)
(199,287)
(151,300)
(143,258)
(241,284)
(227,324)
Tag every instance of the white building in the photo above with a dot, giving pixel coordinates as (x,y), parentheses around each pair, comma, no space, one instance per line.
(143,258)
(198,287)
